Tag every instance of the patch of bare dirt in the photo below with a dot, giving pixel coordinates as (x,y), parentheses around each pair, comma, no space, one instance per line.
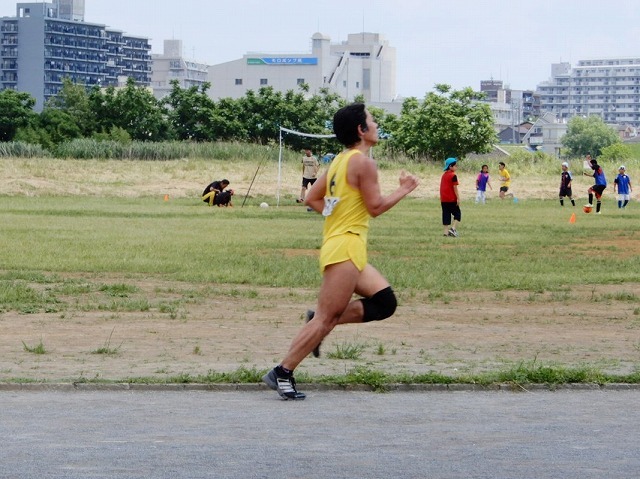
(191,329)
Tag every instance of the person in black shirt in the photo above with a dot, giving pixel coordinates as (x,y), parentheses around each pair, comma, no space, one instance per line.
(215,194)
(565,185)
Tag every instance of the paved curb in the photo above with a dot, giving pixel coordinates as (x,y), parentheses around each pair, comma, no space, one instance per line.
(502,387)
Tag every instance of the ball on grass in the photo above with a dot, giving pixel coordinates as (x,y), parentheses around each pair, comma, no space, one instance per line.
(264,205)
(587,209)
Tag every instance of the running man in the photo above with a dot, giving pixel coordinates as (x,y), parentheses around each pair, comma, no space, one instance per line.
(347,195)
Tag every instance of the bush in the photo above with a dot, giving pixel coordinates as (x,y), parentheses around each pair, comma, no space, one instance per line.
(116,133)
(617,152)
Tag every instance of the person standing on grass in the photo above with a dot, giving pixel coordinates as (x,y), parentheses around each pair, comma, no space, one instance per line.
(565,184)
(347,195)
(482,181)
(600,184)
(450,198)
(505,180)
(310,168)
(622,183)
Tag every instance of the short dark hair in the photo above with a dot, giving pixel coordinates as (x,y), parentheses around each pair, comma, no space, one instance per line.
(346,122)
(502,163)
(225,181)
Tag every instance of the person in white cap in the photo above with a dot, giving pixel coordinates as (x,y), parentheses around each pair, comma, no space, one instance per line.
(622,184)
(565,184)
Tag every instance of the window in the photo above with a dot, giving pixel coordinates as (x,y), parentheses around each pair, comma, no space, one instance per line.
(238,81)
(357,84)
(344,83)
(300,81)
(263,81)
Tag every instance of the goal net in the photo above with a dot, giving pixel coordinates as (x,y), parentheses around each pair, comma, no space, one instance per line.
(292,132)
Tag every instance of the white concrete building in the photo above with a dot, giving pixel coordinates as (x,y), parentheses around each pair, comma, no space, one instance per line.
(609,88)
(171,65)
(363,65)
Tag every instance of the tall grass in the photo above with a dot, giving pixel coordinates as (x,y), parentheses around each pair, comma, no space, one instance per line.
(87,148)
(18,149)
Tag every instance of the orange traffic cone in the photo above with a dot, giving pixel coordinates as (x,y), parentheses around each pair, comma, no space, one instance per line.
(573,218)
(166,197)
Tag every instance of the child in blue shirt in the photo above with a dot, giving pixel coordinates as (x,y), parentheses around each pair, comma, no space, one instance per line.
(622,183)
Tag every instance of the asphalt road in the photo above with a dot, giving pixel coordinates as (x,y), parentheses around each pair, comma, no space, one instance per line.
(332,434)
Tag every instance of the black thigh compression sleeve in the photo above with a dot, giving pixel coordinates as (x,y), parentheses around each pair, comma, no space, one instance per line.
(379,306)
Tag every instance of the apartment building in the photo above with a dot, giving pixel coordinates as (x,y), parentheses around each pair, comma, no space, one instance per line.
(524,103)
(172,65)
(364,64)
(47,42)
(609,88)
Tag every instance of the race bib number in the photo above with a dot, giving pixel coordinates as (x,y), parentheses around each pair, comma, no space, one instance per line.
(330,203)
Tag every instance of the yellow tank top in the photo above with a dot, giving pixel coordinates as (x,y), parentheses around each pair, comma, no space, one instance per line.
(345,211)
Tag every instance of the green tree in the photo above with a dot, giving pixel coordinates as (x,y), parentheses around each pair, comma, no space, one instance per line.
(191,112)
(588,135)
(73,99)
(226,120)
(447,123)
(34,135)
(616,152)
(132,108)
(264,112)
(60,125)
(16,110)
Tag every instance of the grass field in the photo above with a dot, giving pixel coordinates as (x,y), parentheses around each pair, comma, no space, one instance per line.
(528,245)
(78,252)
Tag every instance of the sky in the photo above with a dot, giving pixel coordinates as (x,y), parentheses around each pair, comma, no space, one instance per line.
(457,42)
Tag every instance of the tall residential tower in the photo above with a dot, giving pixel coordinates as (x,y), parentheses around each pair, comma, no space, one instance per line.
(609,88)
(47,42)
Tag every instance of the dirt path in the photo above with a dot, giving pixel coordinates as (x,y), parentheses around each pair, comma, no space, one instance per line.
(191,330)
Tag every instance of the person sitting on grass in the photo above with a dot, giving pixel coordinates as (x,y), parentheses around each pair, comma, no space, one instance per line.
(215,194)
